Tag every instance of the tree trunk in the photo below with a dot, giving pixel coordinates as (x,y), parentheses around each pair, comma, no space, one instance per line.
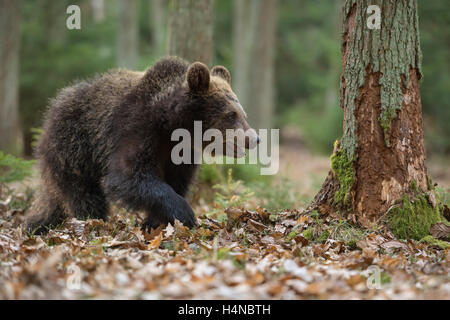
(254,55)
(10,16)
(127,35)
(158,23)
(55,20)
(381,156)
(98,10)
(191,30)
(241,49)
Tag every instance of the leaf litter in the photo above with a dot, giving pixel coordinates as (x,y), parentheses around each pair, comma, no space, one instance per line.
(248,255)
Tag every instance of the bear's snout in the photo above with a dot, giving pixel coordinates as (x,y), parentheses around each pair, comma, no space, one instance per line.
(251,139)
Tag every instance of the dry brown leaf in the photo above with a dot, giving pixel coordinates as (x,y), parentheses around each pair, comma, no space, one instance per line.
(256,225)
(156,242)
(304,220)
(153,233)
(355,279)
(263,213)
(234,213)
(446,212)
(440,231)
(394,244)
(301,240)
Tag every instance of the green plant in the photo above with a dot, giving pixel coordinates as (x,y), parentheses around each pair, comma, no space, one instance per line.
(14,169)
(36,134)
(232,193)
(277,195)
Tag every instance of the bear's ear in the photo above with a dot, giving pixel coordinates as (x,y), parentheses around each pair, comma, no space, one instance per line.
(198,77)
(222,72)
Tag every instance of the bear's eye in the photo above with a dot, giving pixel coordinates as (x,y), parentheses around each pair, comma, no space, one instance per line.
(232,116)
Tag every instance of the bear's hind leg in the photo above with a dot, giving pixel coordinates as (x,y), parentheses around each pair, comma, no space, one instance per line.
(87,202)
(46,213)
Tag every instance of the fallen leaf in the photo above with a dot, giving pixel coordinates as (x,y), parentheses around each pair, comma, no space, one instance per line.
(156,242)
(440,231)
(256,225)
(394,244)
(153,233)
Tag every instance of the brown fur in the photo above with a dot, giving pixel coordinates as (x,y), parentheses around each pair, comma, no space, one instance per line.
(108,139)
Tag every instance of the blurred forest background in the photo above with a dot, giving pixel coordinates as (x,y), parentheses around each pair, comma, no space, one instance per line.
(253,241)
(284,56)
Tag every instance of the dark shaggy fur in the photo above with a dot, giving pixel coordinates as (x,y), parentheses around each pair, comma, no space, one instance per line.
(108,139)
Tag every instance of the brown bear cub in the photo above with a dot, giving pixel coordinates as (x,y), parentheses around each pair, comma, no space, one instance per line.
(109,139)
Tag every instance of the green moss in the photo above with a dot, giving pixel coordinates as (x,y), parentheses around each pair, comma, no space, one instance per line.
(323,236)
(292,235)
(430,183)
(343,169)
(312,234)
(414,186)
(352,244)
(413,218)
(309,233)
(435,242)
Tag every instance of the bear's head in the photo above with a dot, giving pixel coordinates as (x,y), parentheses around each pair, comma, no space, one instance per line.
(220,107)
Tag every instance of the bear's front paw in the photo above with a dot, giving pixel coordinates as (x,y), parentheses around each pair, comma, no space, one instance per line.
(181,211)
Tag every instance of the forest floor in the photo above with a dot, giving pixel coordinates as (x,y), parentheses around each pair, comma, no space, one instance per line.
(236,253)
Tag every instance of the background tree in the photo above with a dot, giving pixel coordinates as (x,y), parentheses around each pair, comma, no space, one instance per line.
(254,58)
(241,49)
(191,30)
(10,16)
(127,34)
(98,10)
(381,157)
(158,18)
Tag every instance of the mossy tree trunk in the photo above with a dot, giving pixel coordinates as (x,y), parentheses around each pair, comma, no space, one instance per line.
(191,30)
(381,156)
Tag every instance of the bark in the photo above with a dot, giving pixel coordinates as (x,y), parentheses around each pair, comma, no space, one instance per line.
(10,19)
(191,30)
(127,35)
(254,55)
(381,154)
